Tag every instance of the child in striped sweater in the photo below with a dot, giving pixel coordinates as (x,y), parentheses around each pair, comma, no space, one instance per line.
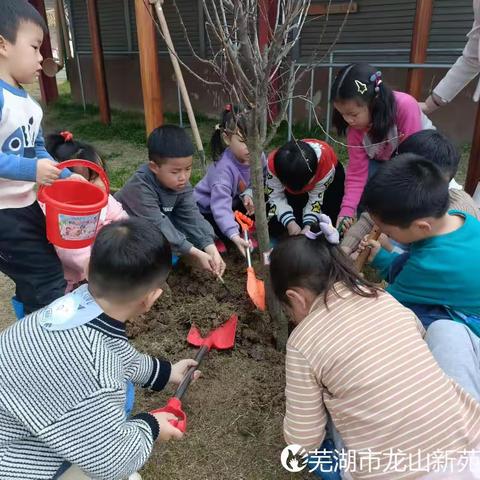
(359,356)
(64,369)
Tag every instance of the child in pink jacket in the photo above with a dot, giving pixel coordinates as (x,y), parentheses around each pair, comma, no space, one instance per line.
(376,120)
(63,147)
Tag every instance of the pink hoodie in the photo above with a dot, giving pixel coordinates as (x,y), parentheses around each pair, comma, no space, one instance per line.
(75,261)
(409,120)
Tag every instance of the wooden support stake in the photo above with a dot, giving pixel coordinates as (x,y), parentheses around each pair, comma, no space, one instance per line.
(149,71)
(98,63)
(48,86)
(180,80)
(473,172)
(418,51)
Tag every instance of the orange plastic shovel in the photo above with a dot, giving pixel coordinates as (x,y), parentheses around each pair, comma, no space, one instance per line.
(255,287)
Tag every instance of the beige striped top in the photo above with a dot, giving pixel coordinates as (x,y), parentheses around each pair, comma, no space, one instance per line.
(364,361)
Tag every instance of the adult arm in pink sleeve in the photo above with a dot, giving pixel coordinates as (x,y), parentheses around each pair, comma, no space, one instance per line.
(356,174)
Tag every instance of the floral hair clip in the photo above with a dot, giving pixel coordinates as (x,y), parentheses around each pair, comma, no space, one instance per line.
(327,229)
(377,79)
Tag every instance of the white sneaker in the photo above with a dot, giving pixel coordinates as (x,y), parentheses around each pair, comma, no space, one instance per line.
(135,476)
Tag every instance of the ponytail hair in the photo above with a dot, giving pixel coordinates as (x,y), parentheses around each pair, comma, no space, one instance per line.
(62,146)
(363,83)
(232,121)
(316,265)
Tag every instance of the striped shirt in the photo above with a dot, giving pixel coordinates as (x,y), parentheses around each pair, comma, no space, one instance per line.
(363,360)
(62,398)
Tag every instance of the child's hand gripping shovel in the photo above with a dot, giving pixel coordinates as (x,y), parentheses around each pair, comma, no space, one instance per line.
(222,338)
(363,256)
(255,287)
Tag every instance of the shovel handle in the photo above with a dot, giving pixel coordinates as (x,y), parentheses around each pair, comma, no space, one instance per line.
(188,377)
(247,249)
(174,406)
(362,258)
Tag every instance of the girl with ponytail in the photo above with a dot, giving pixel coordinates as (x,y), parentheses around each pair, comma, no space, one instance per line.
(226,185)
(358,370)
(375,120)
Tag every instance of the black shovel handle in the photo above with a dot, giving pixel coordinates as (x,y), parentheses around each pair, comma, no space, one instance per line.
(187,379)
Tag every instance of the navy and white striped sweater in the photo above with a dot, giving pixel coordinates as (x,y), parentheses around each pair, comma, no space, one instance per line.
(62,397)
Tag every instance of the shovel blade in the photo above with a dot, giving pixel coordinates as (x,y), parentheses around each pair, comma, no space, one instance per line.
(255,289)
(222,338)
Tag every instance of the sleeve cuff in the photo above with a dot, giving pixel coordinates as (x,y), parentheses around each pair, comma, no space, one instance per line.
(65,173)
(309,219)
(151,421)
(286,218)
(232,232)
(160,375)
(182,249)
(28,169)
(347,212)
(383,259)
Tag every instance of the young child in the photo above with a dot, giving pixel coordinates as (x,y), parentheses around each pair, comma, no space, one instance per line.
(372,373)
(226,186)
(62,147)
(25,254)
(375,120)
(437,148)
(304,179)
(160,192)
(438,278)
(46,420)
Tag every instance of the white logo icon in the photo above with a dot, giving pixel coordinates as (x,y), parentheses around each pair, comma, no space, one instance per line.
(294,458)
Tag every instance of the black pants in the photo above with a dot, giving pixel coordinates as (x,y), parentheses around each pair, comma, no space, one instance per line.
(28,258)
(332,200)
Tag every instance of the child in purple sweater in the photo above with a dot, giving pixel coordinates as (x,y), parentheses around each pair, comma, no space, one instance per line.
(375,120)
(226,185)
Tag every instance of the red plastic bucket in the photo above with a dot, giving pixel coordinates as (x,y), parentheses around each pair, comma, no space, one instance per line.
(73,207)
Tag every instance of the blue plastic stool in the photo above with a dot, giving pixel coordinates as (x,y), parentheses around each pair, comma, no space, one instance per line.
(18,308)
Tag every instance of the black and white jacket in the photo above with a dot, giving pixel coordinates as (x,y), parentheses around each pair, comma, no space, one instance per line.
(62,398)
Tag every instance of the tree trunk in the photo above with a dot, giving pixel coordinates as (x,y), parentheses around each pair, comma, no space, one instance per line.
(255,142)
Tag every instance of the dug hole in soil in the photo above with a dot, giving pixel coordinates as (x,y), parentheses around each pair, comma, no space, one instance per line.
(235,410)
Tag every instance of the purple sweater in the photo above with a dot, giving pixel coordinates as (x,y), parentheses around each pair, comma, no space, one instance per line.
(225,179)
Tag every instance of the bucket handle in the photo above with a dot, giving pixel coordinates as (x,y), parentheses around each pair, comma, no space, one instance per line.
(79,163)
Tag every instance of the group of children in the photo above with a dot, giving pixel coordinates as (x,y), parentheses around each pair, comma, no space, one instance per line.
(360,366)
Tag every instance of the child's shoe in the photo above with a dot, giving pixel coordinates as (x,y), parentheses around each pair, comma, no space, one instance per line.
(220,246)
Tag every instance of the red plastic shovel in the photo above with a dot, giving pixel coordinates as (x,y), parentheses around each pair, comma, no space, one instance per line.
(222,338)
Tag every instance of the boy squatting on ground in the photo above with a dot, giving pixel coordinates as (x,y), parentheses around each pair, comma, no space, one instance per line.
(63,376)
(437,148)
(25,254)
(160,192)
(438,277)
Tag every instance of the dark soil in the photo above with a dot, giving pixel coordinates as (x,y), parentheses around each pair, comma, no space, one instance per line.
(236,408)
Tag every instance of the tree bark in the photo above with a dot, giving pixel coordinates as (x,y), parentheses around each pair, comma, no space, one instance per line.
(256,140)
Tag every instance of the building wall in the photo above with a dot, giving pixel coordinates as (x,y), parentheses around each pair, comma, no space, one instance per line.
(378,25)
